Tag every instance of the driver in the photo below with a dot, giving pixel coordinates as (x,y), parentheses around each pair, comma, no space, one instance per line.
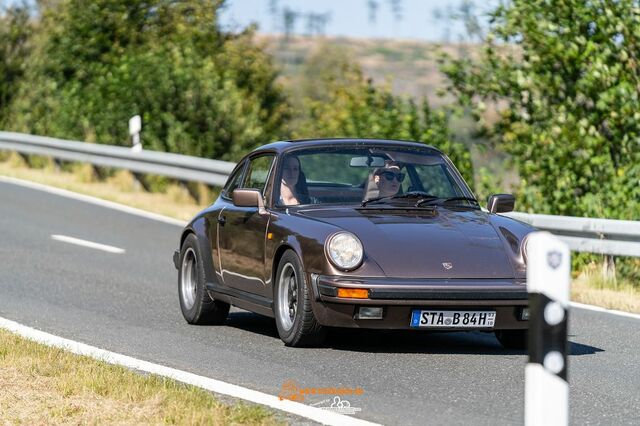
(293,188)
(290,175)
(388,179)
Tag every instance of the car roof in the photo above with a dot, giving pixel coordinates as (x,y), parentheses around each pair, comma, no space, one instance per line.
(284,146)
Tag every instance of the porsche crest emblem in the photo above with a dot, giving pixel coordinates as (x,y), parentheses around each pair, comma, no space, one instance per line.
(554,259)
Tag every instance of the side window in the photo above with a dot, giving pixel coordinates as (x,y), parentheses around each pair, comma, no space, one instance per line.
(258,172)
(233,182)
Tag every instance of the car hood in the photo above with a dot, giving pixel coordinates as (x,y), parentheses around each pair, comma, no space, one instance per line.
(429,243)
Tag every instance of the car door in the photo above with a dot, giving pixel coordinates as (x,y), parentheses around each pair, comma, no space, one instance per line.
(242,234)
(215,216)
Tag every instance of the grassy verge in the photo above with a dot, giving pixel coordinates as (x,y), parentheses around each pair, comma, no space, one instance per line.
(592,288)
(174,201)
(43,385)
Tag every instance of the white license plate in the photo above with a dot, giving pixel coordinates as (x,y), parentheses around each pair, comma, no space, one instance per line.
(457,319)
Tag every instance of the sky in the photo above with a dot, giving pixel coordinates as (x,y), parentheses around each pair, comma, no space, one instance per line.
(351,17)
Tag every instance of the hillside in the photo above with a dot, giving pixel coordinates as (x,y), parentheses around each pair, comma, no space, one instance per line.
(410,67)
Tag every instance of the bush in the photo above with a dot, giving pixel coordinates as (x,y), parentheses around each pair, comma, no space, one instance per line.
(199,91)
(564,78)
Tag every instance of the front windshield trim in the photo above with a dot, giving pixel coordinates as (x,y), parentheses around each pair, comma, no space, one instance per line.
(453,175)
(368,145)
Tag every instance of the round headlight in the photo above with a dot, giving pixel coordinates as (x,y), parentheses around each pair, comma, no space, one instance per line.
(345,250)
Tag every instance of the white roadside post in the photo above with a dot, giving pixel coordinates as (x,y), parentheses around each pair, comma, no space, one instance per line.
(548,278)
(135,126)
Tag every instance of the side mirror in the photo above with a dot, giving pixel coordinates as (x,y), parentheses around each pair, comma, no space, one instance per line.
(501,203)
(248,198)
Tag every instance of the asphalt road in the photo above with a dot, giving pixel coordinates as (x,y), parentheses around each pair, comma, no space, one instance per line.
(128,303)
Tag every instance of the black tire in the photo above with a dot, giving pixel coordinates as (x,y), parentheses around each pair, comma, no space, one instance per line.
(513,339)
(301,328)
(196,304)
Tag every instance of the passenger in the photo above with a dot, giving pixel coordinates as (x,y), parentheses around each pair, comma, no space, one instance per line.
(293,189)
(388,179)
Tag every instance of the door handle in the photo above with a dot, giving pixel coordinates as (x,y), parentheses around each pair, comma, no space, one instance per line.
(222,220)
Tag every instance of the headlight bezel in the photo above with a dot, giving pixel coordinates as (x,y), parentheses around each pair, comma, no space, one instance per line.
(327,251)
(523,248)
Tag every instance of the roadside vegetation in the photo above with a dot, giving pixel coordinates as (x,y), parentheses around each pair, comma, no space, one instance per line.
(44,385)
(163,196)
(592,288)
(200,90)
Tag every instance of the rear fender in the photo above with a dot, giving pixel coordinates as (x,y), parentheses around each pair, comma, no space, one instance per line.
(199,228)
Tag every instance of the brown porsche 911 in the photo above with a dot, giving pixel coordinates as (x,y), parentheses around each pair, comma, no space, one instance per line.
(355,233)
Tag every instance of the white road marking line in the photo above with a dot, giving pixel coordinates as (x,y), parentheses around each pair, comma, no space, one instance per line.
(93,200)
(89,244)
(172,221)
(316,414)
(604,310)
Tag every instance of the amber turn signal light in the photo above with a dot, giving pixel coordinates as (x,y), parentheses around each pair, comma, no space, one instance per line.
(353,293)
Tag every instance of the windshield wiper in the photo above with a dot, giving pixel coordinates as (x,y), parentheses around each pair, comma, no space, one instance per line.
(413,194)
(448,200)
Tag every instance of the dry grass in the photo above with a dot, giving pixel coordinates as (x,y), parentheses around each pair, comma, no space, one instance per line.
(592,288)
(175,201)
(43,385)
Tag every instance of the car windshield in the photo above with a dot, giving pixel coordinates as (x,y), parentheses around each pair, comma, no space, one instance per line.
(368,176)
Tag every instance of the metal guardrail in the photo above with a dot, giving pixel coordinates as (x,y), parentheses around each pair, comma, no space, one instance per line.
(183,167)
(604,236)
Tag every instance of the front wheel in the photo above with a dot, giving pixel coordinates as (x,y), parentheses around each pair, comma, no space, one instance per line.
(297,326)
(512,339)
(196,304)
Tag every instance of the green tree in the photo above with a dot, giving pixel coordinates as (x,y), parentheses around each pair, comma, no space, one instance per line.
(339,101)
(15,31)
(200,91)
(564,78)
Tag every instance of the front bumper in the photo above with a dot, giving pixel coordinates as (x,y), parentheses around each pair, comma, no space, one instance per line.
(399,297)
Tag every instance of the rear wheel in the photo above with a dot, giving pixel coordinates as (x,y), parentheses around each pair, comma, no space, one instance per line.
(512,339)
(196,304)
(297,326)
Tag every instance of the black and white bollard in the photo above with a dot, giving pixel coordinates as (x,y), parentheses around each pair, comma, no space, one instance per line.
(548,278)
(135,126)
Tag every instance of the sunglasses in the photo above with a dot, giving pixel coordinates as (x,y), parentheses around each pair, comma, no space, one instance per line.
(390,176)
